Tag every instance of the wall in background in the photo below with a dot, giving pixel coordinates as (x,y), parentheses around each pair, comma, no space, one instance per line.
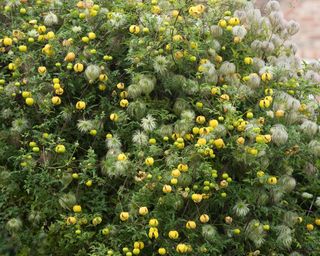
(306,12)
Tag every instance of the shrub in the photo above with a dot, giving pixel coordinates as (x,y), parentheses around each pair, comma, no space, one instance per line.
(156,127)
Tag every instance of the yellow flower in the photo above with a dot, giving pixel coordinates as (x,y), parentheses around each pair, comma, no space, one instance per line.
(252,151)
(149,161)
(76,208)
(80,105)
(197,10)
(266,77)
(197,198)
(224,184)
(222,23)
(26,94)
(153,222)
(272,180)
(71,220)
(310,227)
(248,61)
(267,138)
(42,29)
(23,48)
(202,141)
(240,141)
(143,211)
(236,39)
(124,103)
(102,87)
(177,38)
(191,224)
(166,189)
(138,245)
(85,39)
(48,50)
(56,100)
(12,66)
(200,8)
(59,91)
(109,136)
(78,67)
(93,132)
(103,77)
(50,35)
(279,113)
(173,234)
(269,98)
(266,227)
(70,57)
(136,251)
(7,41)
(29,101)
(122,157)
(268,91)
(200,119)
(260,174)
(193,11)
(204,61)
(114,117)
(124,216)
(134,29)
(260,139)
(56,86)
(96,221)
(153,233)
(183,167)
(75,176)
(234,21)
(228,220)
(60,149)
(299,219)
(162,251)
(236,231)
(174,181)
(182,248)
(178,55)
(89,183)
(42,70)
(219,143)
(56,80)
(156,9)
(92,35)
(105,231)
(175,13)
(225,97)
(204,218)
(215,90)
(249,115)
(175,173)
(264,103)
(213,123)
(195,130)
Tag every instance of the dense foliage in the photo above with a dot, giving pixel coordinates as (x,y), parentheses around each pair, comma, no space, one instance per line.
(156,127)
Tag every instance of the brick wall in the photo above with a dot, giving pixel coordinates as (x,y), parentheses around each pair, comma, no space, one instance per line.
(306,12)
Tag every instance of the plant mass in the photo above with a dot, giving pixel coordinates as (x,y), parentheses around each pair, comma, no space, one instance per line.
(157,127)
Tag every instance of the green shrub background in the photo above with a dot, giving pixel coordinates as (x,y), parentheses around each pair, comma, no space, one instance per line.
(156,127)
